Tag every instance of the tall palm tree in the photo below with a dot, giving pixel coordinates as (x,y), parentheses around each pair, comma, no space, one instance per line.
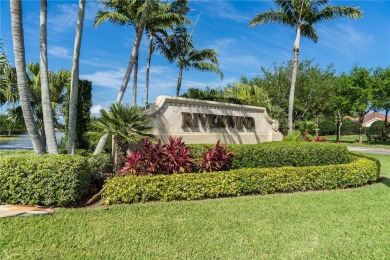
(133,12)
(58,84)
(20,64)
(126,124)
(74,87)
(124,12)
(162,16)
(45,89)
(178,47)
(302,15)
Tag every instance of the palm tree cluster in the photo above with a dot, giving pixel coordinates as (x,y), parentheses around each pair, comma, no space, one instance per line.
(165,24)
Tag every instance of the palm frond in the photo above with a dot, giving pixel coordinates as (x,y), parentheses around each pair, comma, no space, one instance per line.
(272,16)
(206,66)
(331,12)
(309,32)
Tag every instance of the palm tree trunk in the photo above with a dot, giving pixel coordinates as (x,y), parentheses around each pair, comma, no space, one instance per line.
(100,146)
(150,51)
(20,64)
(74,87)
(48,121)
(179,81)
(293,81)
(135,79)
(134,52)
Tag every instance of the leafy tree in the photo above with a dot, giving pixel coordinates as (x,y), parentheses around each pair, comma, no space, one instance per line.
(48,121)
(359,92)
(179,48)
(74,87)
(20,64)
(340,103)
(381,93)
(302,15)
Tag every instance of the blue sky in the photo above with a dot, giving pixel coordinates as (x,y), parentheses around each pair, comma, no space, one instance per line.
(222,25)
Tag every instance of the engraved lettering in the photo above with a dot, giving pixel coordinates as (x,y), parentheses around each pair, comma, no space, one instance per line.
(186,120)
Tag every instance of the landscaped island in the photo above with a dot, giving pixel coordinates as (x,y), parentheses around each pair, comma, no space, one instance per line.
(266,168)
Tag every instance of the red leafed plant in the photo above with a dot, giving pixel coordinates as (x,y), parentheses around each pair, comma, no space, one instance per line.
(319,139)
(216,159)
(159,159)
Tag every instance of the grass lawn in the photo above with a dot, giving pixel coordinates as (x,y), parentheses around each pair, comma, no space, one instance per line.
(353,140)
(7,138)
(339,224)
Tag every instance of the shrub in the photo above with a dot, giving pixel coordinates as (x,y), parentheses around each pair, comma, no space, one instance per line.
(295,136)
(278,154)
(327,127)
(159,159)
(216,159)
(377,132)
(100,166)
(350,128)
(193,186)
(50,180)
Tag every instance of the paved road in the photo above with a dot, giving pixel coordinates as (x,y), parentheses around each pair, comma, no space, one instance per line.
(369,150)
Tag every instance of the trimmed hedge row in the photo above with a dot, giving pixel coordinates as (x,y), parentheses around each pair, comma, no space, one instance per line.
(194,186)
(279,154)
(50,180)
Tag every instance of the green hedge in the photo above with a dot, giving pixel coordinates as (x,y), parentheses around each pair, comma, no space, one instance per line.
(51,180)
(194,186)
(327,127)
(278,154)
(350,128)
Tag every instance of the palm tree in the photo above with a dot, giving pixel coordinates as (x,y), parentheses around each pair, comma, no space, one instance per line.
(301,15)
(8,80)
(133,12)
(162,16)
(126,124)
(74,87)
(45,89)
(124,13)
(178,47)
(20,64)
(58,84)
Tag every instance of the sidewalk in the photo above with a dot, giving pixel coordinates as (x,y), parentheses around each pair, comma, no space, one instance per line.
(383,151)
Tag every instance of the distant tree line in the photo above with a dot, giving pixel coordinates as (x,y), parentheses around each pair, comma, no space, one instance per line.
(320,94)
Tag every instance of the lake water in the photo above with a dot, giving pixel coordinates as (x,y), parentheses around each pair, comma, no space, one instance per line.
(23,142)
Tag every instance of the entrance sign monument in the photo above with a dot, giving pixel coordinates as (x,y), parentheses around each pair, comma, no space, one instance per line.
(205,122)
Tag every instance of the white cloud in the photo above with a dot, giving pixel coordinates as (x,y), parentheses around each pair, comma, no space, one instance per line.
(106,78)
(59,52)
(344,38)
(95,110)
(226,10)
(65,17)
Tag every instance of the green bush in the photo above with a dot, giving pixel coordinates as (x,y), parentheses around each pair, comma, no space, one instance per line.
(327,127)
(278,154)
(349,128)
(194,186)
(377,132)
(50,180)
(100,166)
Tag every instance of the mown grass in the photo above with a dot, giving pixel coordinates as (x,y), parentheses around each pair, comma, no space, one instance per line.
(339,224)
(353,140)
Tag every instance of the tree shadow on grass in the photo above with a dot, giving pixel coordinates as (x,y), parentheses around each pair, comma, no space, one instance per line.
(385,181)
